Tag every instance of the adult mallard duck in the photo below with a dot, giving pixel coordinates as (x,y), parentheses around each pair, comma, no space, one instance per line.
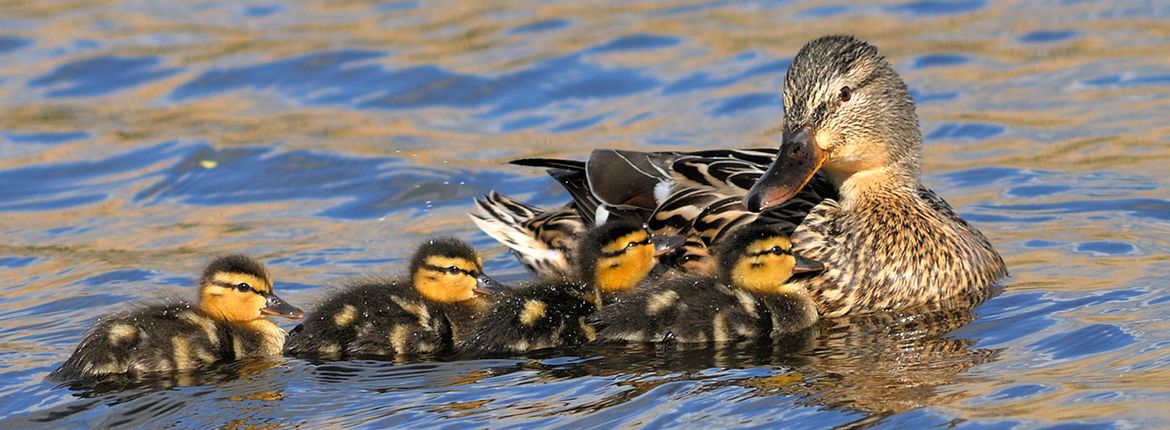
(847,177)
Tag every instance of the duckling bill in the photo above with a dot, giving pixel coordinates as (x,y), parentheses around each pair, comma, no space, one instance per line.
(227,323)
(436,306)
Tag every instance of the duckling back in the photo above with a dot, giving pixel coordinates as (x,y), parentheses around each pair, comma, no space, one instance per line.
(536,317)
(685,309)
(374,317)
(162,338)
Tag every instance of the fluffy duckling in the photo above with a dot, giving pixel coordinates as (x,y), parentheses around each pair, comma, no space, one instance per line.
(615,259)
(437,305)
(228,323)
(751,299)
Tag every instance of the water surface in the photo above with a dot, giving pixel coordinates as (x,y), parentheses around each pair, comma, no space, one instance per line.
(139,138)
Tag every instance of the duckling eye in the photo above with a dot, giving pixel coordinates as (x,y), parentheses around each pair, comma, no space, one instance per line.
(631,245)
(454,270)
(243,287)
(777,250)
(846,94)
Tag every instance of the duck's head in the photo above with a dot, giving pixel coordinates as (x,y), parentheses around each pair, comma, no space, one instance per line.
(760,260)
(447,270)
(616,256)
(846,111)
(237,289)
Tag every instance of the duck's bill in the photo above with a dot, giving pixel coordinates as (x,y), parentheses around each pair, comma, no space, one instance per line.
(798,160)
(276,306)
(485,285)
(804,265)
(666,244)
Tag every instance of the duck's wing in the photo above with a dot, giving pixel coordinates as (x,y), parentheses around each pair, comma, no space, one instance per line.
(544,240)
(573,175)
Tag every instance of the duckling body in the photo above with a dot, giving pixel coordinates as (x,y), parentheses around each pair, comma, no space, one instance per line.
(226,325)
(615,259)
(685,310)
(536,317)
(427,312)
(751,300)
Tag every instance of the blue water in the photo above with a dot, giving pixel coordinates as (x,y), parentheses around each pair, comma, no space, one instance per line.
(139,139)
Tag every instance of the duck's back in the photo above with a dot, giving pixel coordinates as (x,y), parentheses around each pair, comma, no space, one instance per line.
(372,317)
(155,338)
(684,309)
(536,317)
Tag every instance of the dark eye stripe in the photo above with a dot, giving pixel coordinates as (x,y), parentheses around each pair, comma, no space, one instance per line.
(445,269)
(769,251)
(645,241)
(233,286)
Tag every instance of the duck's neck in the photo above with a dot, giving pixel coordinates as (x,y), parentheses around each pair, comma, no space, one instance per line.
(877,183)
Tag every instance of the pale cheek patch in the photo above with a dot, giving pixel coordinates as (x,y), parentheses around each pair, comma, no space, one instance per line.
(346,316)
(533,311)
(121,333)
(661,301)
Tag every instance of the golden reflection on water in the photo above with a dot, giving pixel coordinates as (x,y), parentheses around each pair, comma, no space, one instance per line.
(1056,123)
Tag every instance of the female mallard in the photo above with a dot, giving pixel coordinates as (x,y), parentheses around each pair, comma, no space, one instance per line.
(228,323)
(428,311)
(615,259)
(847,177)
(751,299)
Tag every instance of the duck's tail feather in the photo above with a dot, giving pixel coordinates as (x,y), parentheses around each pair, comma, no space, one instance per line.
(543,240)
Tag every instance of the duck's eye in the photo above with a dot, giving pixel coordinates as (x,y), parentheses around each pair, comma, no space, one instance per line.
(777,250)
(690,258)
(243,287)
(631,245)
(845,94)
(454,270)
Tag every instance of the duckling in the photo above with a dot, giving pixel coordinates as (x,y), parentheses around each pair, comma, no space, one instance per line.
(436,306)
(228,323)
(615,259)
(751,298)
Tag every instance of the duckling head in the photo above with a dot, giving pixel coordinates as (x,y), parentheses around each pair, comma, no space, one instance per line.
(448,270)
(846,111)
(238,289)
(760,260)
(616,256)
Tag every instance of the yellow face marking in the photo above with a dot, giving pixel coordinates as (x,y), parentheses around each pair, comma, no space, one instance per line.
(761,271)
(222,299)
(622,272)
(437,282)
(533,311)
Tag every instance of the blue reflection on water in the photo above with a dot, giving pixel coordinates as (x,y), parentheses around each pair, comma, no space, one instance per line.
(101,75)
